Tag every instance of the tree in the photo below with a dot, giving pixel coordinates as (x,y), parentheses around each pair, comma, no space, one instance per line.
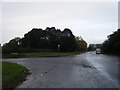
(81,44)
(50,38)
(12,45)
(91,47)
(36,38)
(67,41)
(112,45)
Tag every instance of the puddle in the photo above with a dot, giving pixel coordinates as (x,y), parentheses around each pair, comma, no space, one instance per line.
(86,66)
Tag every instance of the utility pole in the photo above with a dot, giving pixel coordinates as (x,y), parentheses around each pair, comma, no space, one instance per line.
(58,47)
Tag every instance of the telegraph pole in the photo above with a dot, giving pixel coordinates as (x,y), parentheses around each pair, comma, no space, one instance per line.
(58,47)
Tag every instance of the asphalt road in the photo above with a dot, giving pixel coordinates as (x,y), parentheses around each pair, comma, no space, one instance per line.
(87,70)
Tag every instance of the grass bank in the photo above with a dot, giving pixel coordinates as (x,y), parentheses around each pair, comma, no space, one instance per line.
(41,54)
(12,74)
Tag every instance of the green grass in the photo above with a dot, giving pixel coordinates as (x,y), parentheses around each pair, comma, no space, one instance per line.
(12,74)
(48,54)
(41,54)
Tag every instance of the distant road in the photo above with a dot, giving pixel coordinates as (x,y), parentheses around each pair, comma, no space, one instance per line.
(87,70)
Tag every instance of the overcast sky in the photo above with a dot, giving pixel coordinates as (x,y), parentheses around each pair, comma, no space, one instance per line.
(91,20)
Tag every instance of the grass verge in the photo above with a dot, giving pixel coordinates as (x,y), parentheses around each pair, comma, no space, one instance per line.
(12,74)
(41,54)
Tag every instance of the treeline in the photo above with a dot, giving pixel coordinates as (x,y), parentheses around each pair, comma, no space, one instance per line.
(50,39)
(112,45)
(93,47)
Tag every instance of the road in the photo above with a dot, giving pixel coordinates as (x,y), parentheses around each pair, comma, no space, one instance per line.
(87,70)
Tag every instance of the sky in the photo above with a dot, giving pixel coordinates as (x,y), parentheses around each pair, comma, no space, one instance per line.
(94,21)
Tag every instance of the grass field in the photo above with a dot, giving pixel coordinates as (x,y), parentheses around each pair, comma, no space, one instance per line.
(12,74)
(41,54)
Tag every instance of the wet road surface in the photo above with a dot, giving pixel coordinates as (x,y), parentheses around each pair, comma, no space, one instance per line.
(107,64)
(87,70)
